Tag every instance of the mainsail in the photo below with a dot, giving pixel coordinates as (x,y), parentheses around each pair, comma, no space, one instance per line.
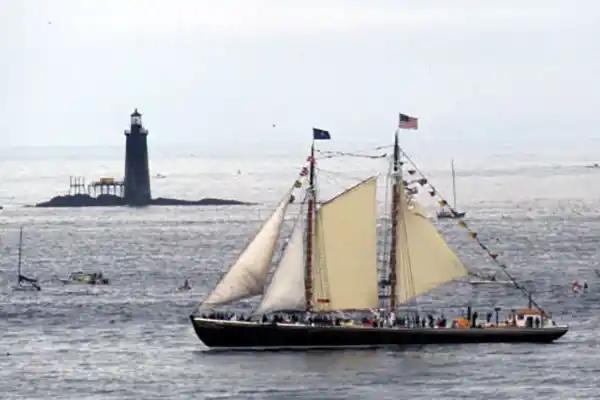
(345,261)
(248,275)
(344,274)
(424,260)
(286,290)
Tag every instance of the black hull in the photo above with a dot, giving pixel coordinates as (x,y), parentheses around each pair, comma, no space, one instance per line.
(250,335)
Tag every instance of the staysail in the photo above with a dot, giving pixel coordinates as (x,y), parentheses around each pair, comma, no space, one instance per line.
(424,260)
(345,261)
(286,289)
(248,275)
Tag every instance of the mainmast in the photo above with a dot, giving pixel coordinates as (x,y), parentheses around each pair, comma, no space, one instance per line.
(309,230)
(396,176)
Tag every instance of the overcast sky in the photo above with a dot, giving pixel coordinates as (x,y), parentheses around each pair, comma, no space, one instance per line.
(225,71)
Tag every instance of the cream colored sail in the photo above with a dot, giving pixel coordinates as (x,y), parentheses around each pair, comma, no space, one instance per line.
(424,259)
(248,275)
(286,290)
(345,261)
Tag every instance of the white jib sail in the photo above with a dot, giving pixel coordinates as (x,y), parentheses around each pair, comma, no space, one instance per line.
(286,290)
(248,275)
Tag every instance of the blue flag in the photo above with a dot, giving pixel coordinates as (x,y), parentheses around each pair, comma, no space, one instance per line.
(320,134)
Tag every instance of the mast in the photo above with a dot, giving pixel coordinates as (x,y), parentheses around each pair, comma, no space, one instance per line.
(20,254)
(396,175)
(453,185)
(309,231)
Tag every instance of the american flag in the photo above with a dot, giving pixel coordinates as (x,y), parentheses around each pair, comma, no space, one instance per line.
(407,122)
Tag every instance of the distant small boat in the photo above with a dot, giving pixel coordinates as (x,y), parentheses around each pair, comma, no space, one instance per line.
(445,214)
(94,278)
(488,280)
(476,282)
(452,213)
(595,165)
(186,286)
(24,283)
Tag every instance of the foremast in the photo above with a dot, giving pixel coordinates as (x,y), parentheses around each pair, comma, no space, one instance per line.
(347,270)
(310,229)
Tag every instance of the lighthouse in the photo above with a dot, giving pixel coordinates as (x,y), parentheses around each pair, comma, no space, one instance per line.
(137,172)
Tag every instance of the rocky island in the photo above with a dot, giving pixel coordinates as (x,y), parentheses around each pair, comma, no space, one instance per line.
(110,200)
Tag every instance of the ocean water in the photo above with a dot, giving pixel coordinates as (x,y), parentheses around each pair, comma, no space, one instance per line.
(133,339)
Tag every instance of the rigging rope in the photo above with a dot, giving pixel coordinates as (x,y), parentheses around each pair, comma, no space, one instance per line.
(333,154)
(494,256)
(423,181)
(339,174)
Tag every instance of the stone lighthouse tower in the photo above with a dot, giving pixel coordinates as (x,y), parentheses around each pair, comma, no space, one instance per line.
(137,173)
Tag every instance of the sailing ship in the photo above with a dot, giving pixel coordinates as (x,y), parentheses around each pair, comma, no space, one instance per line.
(451,213)
(480,279)
(24,283)
(324,291)
(185,287)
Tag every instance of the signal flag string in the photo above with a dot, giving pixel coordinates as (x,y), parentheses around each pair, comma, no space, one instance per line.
(474,235)
(433,192)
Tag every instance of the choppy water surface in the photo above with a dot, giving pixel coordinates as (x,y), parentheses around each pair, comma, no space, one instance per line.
(133,339)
